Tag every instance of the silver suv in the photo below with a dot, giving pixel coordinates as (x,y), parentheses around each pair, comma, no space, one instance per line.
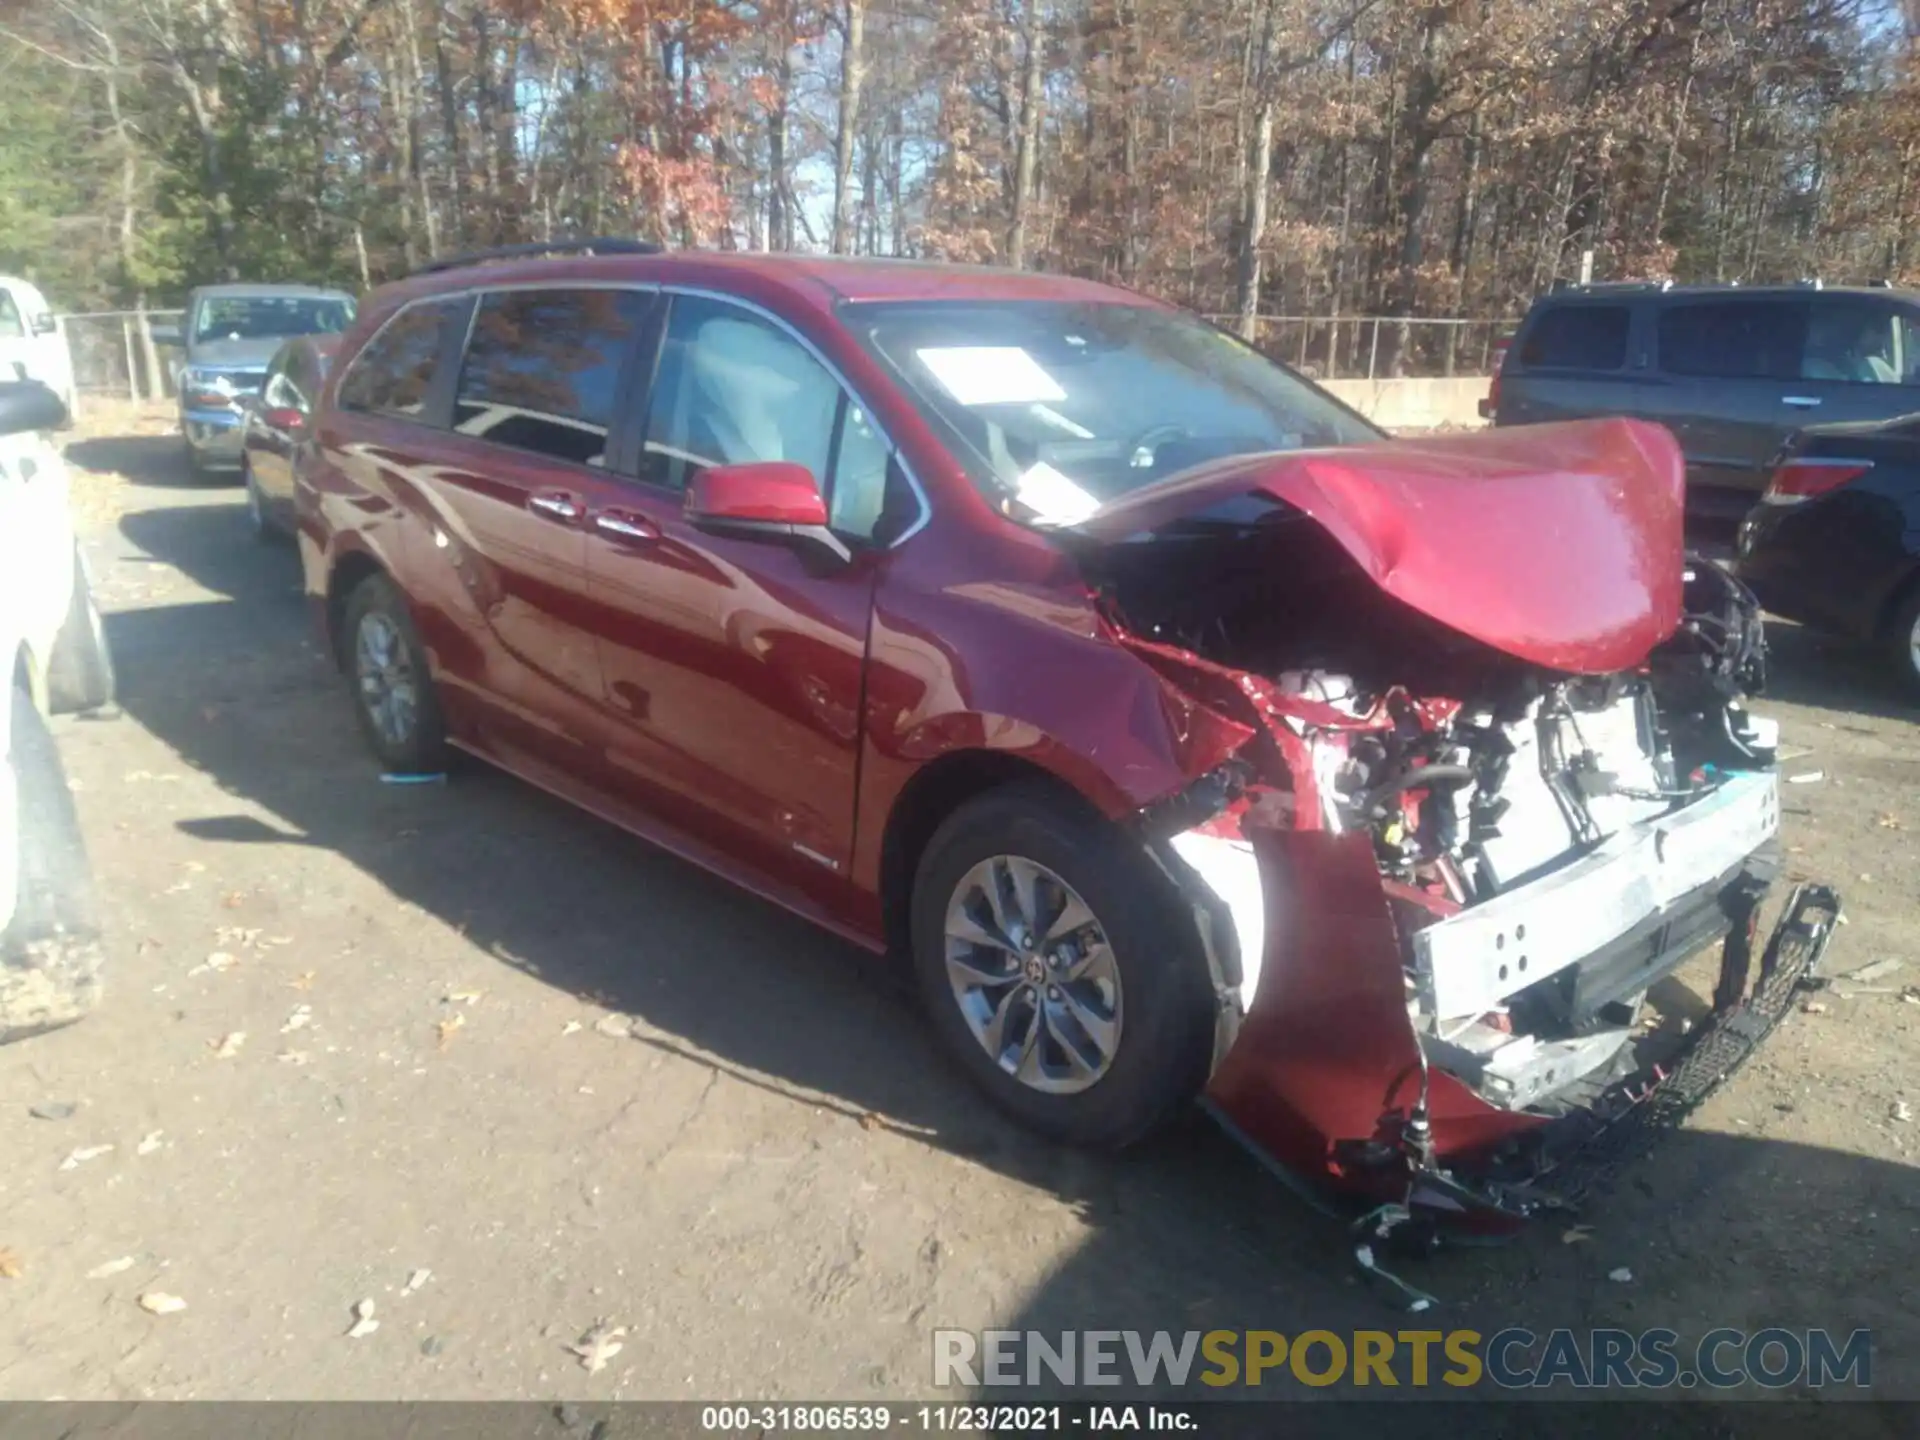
(229,335)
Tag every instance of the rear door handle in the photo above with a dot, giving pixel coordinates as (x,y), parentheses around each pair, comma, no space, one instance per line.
(625,525)
(556,505)
(1800,402)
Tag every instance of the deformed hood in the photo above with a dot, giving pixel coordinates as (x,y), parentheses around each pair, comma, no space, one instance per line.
(1560,544)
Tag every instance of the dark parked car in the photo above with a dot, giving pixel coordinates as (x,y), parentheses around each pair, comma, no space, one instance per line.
(1731,370)
(277,429)
(229,335)
(1181,734)
(1835,541)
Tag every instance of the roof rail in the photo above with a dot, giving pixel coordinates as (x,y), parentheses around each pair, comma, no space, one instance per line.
(610,245)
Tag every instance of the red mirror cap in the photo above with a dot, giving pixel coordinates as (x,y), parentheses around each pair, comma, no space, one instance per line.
(284,417)
(768,492)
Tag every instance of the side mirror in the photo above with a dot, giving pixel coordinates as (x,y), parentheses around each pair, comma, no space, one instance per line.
(44,324)
(765,500)
(27,406)
(283,417)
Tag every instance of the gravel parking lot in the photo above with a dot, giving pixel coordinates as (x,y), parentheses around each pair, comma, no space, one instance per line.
(354,1037)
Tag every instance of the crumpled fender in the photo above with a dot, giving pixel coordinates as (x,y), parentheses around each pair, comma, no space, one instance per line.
(1327,1053)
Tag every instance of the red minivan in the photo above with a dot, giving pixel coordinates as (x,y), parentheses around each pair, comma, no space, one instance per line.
(1189,738)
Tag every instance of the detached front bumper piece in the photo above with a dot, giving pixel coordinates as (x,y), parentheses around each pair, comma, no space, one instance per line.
(1580,1153)
(1328,1078)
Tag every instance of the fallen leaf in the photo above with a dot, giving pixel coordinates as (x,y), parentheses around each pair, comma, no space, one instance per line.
(79,1157)
(293,1057)
(278,940)
(615,1027)
(303,981)
(363,1322)
(1813,1007)
(447,1028)
(415,1281)
(111,1267)
(245,936)
(11,1265)
(869,1121)
(52,1109)
(228,1045)
(1902,1112)
(599,1345)
(150,1144)
(1577,1235)
(464,997)
(1622,1276)
(158,1302)
(1811,777)
(233,899)
(1888,822)
(300,1017)
(219,962)
(572,1027)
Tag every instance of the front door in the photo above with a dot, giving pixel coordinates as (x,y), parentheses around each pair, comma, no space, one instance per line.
(735,665)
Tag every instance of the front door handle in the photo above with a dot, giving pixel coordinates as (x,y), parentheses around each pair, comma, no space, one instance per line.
(624,525)
(555,505)
(1800,402)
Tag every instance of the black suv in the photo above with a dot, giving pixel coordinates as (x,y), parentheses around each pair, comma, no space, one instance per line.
(1731,370)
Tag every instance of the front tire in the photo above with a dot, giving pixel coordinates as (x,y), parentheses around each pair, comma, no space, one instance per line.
(1058,970)
(392,689)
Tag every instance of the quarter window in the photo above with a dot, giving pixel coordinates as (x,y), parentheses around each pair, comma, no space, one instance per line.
(1578,337)
(394,373)
(1852,342)
(542,370)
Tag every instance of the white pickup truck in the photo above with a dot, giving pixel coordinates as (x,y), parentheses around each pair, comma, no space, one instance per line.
(57,657)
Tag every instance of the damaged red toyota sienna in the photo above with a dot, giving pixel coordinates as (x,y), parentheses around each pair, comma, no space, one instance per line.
(1191,739)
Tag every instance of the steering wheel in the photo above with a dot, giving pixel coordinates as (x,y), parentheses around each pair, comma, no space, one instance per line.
(1149,440)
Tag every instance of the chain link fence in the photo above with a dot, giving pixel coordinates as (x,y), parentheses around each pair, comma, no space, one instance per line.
(116,353)
(1351,347)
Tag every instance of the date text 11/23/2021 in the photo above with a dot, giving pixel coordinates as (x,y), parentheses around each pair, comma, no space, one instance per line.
(747,1419)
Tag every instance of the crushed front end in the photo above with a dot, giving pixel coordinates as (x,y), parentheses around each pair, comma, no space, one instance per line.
(1456,859)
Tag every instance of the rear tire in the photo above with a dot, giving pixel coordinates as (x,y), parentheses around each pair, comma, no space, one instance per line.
(1138,1010)
(393,691)
(50,949)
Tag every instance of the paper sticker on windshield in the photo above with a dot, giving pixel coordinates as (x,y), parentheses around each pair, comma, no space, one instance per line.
(991,375)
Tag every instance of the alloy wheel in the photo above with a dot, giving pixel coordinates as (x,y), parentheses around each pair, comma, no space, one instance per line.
(1033,974)
(384,669)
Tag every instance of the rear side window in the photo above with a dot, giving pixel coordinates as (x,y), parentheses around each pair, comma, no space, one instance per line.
(394,373)
(1578,337)
(1854,341)
(542,371)
(1734,339)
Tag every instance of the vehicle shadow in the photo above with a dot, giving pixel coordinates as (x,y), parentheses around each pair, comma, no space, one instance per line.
(1184,1232)
(1713,1230)
(1806,667)
(155,461)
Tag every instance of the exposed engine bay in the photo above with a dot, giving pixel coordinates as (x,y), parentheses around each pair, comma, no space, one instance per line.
(1550,843)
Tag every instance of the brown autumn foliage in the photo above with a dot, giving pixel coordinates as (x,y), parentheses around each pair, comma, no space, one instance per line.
(1411,158)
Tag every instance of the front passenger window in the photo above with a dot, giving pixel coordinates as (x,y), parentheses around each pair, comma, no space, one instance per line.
(732,388)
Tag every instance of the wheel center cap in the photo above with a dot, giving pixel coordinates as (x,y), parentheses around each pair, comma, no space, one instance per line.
(1034,970)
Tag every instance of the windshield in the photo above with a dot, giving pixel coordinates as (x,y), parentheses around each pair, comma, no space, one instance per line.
(262,317)
(1059,407)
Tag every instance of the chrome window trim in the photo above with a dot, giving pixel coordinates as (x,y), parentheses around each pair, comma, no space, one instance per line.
(479,291)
